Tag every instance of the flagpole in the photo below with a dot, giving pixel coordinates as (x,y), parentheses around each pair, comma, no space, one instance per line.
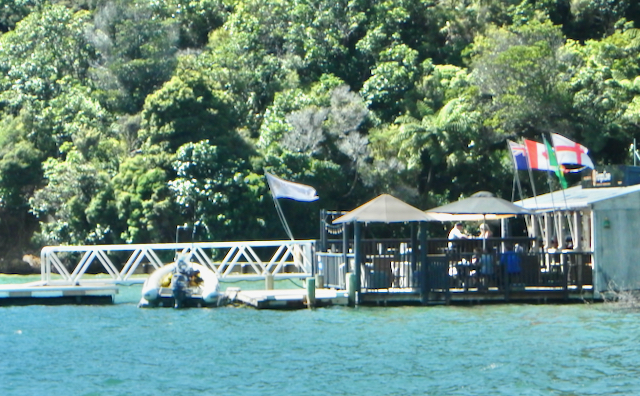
(283,220)
(533,188)
(562,183)
(516,182)
(285,189)
(564,196)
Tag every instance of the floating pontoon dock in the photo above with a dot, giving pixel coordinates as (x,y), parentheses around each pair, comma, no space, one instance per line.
(39,293)
(287,299)
(64,268)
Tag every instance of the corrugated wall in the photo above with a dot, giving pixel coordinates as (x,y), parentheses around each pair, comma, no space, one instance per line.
(616,232)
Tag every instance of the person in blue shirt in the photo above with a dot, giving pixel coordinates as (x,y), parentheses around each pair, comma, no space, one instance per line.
(510,262)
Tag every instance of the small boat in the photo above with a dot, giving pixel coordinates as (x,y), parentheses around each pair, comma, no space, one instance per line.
(181,284)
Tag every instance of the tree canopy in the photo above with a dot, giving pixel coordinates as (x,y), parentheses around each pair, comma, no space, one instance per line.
(121,119)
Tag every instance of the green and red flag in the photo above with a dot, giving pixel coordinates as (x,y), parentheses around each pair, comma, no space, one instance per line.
(553,164)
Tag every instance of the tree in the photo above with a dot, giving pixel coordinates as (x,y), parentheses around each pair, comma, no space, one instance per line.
(214,192)
(393,77)
(45,49)
(77,204)
(605,89)
(13,11)
(196,18)
(189,108)
(521,72)
(144,203)
(135,52)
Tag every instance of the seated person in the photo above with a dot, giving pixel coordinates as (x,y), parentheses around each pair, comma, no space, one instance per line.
(483,262)
(485,231)
(457,232)
(568,243)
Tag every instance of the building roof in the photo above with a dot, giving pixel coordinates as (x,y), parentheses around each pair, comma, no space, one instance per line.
(574,198)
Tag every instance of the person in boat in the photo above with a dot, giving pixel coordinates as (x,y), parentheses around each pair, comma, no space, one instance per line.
(195,279)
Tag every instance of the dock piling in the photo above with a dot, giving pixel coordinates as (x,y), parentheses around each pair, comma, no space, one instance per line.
(311,292)
(268,282)
(351,288)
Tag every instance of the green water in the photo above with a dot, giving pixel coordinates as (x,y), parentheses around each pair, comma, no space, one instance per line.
(482,350)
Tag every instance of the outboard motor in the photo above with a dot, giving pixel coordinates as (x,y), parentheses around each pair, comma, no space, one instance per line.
(180,283)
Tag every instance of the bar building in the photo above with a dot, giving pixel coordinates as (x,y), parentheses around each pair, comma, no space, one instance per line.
(582,245)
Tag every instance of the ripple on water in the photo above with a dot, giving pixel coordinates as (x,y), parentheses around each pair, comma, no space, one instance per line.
(496,350)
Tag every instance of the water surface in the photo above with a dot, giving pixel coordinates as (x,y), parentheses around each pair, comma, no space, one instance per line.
(482,350)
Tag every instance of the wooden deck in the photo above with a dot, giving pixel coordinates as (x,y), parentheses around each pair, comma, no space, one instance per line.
(492,295)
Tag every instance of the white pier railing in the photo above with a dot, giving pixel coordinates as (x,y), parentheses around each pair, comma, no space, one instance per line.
(252,260)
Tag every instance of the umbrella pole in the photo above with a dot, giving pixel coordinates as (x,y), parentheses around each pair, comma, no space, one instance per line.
(484,234)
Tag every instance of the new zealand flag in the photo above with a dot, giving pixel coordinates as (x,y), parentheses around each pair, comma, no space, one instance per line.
(519,154)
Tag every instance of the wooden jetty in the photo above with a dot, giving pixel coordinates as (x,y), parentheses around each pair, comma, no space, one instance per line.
(390,272)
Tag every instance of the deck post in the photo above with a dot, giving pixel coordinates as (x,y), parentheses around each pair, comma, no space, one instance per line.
(414,247)
(357,259)
(351,288)
(424,278)
(323,231)
(345,246)
(319,281)
(566,267)
(506,283)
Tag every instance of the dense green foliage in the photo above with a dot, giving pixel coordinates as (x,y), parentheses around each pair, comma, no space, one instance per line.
(120,119)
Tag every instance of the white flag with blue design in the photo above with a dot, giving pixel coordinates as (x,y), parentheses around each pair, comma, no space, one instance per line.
(281,188)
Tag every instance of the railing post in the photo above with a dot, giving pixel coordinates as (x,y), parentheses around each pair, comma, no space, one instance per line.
(566,267)
(345,246)
(424,277)
(323,230)
(357,255)
(506,282)
(578,258)
(414,254)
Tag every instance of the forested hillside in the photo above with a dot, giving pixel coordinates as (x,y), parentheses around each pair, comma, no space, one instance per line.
(121,119)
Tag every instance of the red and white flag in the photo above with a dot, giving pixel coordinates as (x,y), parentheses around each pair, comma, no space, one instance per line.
(537,155)
(572,153)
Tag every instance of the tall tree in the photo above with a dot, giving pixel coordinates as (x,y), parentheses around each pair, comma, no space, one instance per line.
(135,51)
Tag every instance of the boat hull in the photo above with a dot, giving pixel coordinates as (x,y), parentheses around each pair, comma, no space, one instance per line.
(156,293)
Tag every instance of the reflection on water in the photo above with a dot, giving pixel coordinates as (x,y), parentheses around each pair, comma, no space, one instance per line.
(481,350)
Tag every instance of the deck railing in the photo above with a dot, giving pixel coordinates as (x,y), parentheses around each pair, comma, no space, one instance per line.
(388,265)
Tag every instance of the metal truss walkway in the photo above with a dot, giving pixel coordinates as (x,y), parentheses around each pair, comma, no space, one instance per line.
(253,260)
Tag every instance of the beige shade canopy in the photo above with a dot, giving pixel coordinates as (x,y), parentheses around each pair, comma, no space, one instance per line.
(385,209)
(482,204)
(466,217)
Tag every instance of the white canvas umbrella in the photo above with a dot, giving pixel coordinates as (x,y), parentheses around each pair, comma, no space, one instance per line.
(483,204)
